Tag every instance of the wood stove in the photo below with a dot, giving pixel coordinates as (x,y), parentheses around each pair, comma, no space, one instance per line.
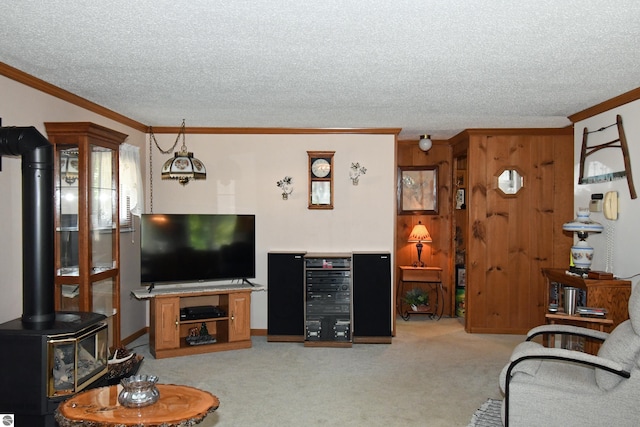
(42,367)
(45,356)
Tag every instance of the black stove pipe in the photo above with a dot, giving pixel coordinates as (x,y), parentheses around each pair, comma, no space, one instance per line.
(38,245)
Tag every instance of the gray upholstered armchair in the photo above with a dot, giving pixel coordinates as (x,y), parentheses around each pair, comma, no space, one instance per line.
(559,387)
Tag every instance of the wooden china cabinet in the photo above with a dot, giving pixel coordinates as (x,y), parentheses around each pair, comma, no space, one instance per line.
(87,220)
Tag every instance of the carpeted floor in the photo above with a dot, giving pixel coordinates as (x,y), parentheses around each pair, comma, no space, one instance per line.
(433,374)
(488,415)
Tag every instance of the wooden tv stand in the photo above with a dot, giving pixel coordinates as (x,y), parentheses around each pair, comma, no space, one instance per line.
(168,333)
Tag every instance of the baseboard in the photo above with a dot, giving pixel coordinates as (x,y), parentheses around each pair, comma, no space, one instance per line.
(285,338)
(271,338)
(371,340)
(131,338)
(337,344)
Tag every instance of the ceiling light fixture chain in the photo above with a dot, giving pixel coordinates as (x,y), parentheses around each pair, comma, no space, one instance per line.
(151,172)
(181,132)
(183,148)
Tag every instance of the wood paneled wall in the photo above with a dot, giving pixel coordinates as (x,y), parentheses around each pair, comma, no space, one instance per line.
(510,239)
(439,252)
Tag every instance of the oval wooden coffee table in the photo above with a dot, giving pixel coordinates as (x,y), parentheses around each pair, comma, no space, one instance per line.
(178,405)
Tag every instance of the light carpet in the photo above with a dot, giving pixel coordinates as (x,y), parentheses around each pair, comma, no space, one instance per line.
(434,374)
(488,415)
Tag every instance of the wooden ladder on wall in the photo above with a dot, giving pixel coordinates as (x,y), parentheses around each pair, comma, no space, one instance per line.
(620,142)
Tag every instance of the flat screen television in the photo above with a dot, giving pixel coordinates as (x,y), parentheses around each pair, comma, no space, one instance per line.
(196,247)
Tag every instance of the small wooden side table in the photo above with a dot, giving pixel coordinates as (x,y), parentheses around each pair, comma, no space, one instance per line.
(576,320)
(612,295)
(430,276)
(177,406)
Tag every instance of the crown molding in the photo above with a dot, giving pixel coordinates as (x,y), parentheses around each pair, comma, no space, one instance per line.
(273,131)
(48,88)
(625,98)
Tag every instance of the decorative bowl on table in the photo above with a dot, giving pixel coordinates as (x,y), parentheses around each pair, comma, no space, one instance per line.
(138,391)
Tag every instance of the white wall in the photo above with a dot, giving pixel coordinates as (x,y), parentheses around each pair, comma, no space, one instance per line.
(23,106)
(242,171)
(242,174)
(624,233)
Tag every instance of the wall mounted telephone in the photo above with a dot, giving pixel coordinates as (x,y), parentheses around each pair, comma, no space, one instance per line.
(610,211)
(610,205)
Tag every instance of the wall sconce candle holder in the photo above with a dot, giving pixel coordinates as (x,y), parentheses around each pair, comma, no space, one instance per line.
(355,172)
(286,184)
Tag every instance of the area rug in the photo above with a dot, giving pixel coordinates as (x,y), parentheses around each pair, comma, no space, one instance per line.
(488,415)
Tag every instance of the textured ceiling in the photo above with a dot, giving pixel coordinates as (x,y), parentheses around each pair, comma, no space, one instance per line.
(425,66)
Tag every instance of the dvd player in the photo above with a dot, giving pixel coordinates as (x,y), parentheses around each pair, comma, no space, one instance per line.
(201,312)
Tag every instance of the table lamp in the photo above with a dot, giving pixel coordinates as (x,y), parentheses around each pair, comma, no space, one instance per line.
(581,252)
(419,234)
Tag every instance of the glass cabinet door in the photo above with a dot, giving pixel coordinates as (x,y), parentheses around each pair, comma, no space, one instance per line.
(67,215)
(103,208)
(67,227)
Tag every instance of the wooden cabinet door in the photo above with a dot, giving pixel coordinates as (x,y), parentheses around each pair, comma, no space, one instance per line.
(239,316)
(165,315)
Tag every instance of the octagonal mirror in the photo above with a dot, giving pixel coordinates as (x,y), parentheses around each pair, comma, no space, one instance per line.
(510,181)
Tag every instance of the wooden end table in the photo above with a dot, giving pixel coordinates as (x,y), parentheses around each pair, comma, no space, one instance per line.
(177,406)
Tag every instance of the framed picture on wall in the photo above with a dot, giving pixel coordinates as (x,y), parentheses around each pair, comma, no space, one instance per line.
(418,190)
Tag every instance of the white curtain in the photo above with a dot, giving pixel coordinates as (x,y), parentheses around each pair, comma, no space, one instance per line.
(130,182)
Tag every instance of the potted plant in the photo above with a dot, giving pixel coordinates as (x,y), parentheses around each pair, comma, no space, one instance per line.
(416,297)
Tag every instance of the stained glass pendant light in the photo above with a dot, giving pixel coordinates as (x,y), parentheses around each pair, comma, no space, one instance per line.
(183,166)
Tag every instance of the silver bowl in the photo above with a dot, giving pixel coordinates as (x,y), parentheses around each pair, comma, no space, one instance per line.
(139,391)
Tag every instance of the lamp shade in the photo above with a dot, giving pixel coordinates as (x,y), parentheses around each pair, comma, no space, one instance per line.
(183,167)
(419,233)
(583,224)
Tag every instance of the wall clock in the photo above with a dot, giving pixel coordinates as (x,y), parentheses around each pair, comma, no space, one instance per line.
(320,179)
